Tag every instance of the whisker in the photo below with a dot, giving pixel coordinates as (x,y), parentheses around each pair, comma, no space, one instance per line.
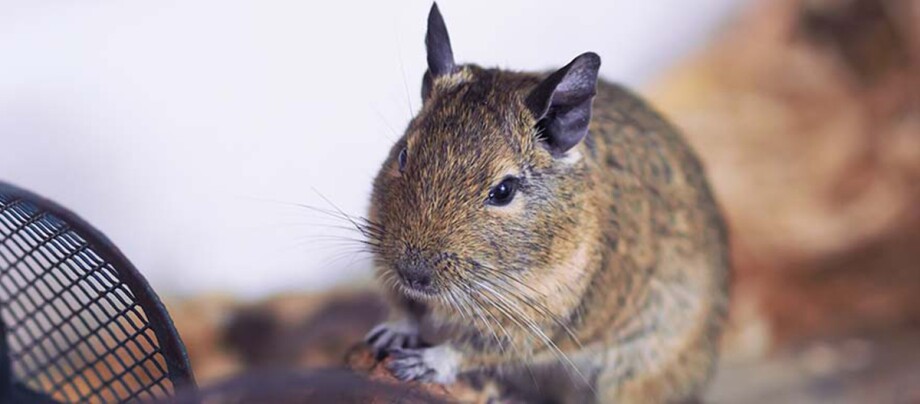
(530,302)
(387,124)
(509,308)
(526,359)
(402,68)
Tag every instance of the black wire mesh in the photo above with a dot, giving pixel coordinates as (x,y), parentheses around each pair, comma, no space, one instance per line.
(81,324)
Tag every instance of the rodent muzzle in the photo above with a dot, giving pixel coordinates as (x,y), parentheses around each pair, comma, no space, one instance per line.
(416,276)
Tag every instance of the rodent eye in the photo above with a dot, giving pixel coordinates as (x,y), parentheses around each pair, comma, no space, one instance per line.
(503,193)
(403,155)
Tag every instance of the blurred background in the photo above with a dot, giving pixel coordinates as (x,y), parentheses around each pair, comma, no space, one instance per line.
(192,132)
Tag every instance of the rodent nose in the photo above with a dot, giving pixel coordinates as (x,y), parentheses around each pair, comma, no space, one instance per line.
(415,276)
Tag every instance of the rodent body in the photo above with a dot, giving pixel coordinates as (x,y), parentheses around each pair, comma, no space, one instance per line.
(603,277)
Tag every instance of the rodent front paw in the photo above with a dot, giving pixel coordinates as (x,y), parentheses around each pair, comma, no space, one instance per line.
(392,335)
(437,365)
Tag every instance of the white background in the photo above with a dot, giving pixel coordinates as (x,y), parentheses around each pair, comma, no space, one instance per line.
(185,129)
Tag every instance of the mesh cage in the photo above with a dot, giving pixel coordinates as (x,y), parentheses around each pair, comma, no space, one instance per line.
(80,323)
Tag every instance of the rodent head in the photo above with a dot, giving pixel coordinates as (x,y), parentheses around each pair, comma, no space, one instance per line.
(487,181)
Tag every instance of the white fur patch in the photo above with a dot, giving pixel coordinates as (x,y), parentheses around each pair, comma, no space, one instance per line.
(571,157)
(445,362)
(438,364)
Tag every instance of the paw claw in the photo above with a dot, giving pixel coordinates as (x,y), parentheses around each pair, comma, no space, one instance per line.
(407,364)
(374,335)
(425,365)
(389,336)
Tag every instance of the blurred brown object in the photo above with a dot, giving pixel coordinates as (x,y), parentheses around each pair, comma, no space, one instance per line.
(302,333)
(200,322)
(225,337)
(807,115)
(881,369)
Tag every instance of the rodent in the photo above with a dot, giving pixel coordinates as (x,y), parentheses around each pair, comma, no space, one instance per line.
(532,225)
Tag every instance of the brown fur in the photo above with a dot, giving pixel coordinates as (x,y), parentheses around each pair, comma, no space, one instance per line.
(615,252)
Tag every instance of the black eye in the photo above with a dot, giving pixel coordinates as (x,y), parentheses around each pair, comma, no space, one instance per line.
(503,193)
(403,155)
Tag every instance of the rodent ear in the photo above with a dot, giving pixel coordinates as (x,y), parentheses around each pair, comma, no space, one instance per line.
(437,45)
(562,103)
